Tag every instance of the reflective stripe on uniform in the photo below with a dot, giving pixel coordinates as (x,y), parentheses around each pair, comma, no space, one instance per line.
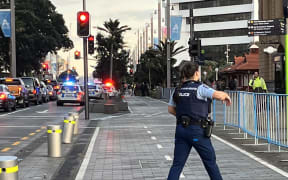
(67,121)
(54,131)
(9,170)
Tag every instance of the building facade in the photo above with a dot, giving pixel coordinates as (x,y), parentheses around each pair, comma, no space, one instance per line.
(217,23)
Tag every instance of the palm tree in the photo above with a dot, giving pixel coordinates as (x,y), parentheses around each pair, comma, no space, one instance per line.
(115,37)
(162,57)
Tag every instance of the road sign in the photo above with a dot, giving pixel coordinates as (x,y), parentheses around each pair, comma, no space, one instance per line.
(266,27)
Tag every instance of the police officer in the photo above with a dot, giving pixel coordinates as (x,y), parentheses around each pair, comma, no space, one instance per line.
(190,106)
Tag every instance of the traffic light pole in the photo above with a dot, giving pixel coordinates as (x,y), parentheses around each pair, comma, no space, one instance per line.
(13,40)
(85,53)
(191,30)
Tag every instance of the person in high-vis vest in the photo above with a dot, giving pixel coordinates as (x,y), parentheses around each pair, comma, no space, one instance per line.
(258,84)
(189,103)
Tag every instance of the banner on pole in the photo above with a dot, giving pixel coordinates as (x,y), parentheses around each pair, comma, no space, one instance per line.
(5,22)
(176,25)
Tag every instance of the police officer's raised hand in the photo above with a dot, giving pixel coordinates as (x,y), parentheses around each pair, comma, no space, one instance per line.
(222,96)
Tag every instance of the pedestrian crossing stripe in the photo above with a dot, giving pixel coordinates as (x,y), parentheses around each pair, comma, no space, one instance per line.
(54,131)
(9,170)
(67,121)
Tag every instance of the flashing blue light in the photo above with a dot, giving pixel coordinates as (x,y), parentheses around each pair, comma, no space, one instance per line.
(68,83)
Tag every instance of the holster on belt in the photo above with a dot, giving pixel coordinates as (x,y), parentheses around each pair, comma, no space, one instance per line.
(207,125)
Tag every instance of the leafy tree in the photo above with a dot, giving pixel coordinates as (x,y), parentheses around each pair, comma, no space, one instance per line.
(109,47)
(39,30)
(154,63)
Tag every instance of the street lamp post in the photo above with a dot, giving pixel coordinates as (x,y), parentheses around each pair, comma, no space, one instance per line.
(168,45)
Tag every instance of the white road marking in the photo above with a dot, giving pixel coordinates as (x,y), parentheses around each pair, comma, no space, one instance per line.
(41,112)
(259,160)
(153,138)
(112,127)
(182,175)
(149,132)
(145,127)
(37,116)
(130,110)
(85,162)
(159,146)
(157,100)
(168,158)
(20,126)
(155,114)
(15,112)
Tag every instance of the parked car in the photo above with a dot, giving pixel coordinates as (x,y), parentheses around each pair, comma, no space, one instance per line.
(33,86)
(7,100)
(95,91)
(17,88)
(70,94)
(53,83)
(52,93)
(44,92)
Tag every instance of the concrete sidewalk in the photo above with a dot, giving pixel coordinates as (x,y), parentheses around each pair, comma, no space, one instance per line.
(140,145)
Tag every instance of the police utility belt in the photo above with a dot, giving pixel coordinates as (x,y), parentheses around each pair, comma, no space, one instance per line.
(206,124)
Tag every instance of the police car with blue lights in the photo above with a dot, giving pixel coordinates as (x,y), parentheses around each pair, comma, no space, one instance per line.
(95,91)
(70,93)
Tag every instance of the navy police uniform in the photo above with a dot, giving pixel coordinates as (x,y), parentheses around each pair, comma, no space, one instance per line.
(192,102)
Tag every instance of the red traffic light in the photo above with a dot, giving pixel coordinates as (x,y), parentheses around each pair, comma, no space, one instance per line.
(91,38)
(83,17)
(77,55)
(83,24)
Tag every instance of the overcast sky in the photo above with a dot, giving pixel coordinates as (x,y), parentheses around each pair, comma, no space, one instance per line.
(134,13)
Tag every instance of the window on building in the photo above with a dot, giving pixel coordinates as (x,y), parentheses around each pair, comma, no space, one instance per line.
(213,3)
(221,18)
(221,33)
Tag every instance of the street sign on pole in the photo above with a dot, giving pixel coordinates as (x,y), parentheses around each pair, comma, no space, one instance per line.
(266,27)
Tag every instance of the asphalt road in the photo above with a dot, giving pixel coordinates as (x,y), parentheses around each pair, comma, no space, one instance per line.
(19,128)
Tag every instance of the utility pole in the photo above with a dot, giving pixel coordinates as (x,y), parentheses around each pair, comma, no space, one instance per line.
(192,29)
(138,46)
(168,45)
(13,40)
(152,30)
(159,22)
(144,39)
(85,71)
(147,42)
(141,44)
(227,53)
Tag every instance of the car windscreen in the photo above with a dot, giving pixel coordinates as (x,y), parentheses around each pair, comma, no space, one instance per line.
(70,88)
(28,81)
(10,82)
(1,89)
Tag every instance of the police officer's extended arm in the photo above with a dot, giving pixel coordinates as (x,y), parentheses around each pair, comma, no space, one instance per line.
(222,96)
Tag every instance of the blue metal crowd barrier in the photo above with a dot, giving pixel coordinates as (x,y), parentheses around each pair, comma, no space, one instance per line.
(261,115)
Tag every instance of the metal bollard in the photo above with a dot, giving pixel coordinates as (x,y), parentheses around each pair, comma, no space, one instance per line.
(68,129)
(54,140)
(8,168)
(76,119)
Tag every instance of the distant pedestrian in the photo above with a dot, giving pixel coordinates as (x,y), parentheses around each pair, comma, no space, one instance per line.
(258,84)
(142,89)
(189,103)
(232,84)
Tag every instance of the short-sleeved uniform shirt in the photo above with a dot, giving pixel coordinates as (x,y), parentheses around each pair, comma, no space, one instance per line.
(203,93)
